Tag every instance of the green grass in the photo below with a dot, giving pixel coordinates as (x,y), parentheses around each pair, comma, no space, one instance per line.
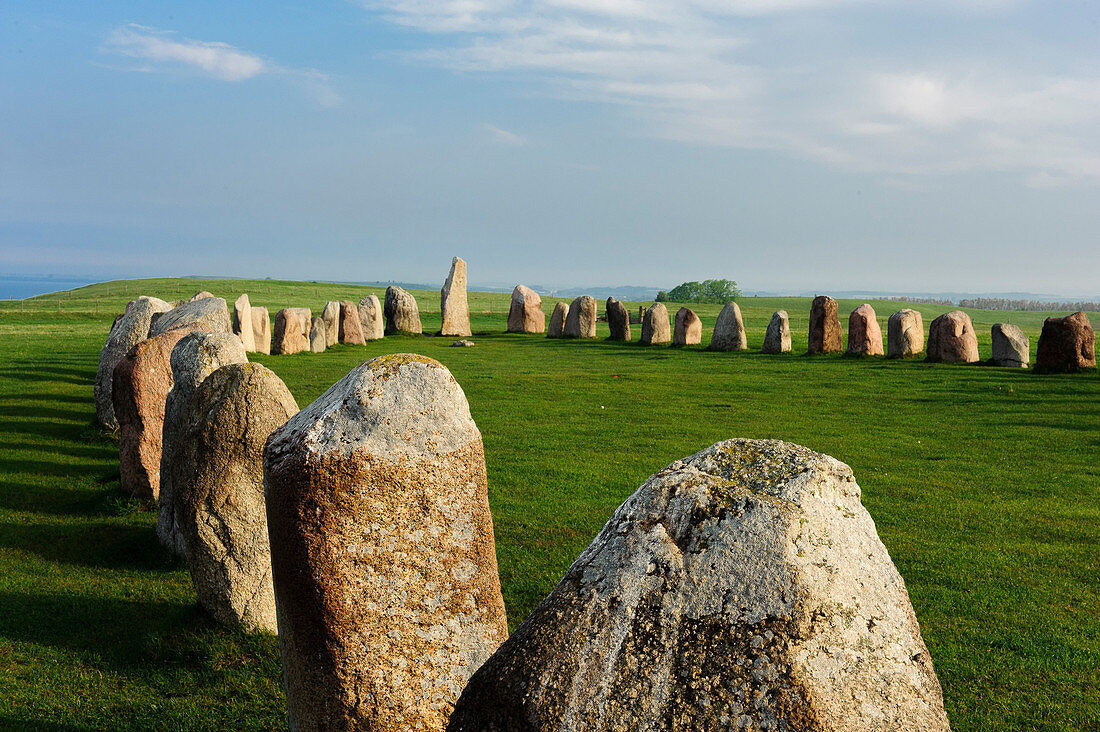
(984,484)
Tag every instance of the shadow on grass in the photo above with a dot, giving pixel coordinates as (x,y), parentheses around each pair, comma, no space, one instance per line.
(34,725)
(100,545)
(52,374)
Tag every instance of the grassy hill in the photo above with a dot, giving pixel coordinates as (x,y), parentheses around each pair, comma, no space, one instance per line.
(984,484)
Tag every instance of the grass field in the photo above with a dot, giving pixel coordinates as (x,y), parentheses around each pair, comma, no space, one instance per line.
(984,484)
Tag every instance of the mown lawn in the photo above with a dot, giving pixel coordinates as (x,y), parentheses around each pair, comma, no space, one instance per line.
(984,483)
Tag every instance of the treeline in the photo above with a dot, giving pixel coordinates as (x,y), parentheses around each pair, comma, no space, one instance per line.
(1002,303)
(925,300)
(720,291)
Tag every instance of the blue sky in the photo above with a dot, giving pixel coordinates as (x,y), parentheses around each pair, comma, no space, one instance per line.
(791,145)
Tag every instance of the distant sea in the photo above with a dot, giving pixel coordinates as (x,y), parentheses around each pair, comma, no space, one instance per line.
(16,287)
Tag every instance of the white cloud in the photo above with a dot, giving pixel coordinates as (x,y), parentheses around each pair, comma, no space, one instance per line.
(504,137)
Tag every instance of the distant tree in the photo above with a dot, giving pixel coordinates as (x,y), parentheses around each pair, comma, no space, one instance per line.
(662,296)
(687,292)
(719,291)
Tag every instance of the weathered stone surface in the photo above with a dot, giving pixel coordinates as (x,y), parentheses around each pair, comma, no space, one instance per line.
(351,330)
(454,309)
(1010,346)
(951,338)
(777,339)
(196,356)
(218,468)
(129,329)
(305,317)
(864,333)
(331,316)
(655,326)
(201,295)
(402,314)
(1066,344)
(261,329)
(580,321)
(142,380)
(242,323)
(729,330)
(824,326)
(557,320)
(318,337)
(382,549)
(744,587)
(288,336)
(618,320)
(904,334)
(688,330)
(208,314)
(525,314)
(370,318)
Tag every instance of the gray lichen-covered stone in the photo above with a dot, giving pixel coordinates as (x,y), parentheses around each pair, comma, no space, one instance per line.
(777,339)
(618,320)
(242,323)
(688,329)
(401,311)
(557,320)
(1010,346)
(208,314)
(371,319)
(220,496)
(382,549)
(331,316)
(261,329)
(525,314)
(744,587)
(318,338)
(195,356)
(580,321)
(655,326)
(729,330)
(453,307)
(129,329)
(904,334)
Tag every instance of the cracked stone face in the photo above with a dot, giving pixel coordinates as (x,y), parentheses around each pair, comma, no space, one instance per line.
(744,587)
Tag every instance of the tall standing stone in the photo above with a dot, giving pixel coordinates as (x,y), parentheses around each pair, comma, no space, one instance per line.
(195,356)
(242,323)
(580,321)
(218,467)
(729,330)
(1010,346)
(331,316)
(382,549)
(557,320)
(129,329)
(261,329)
(402,314)
(1066,344)
(318,338)
(351,330)
(777,339)
(904,334)
(744,587)
(209,314)
(288,337)
(305,317)
(141,382)
(525,314)
(951,339)
(370,318)
(618,320)
(453,308)
(824,326)
(864,333)
(688,330)
(655,326)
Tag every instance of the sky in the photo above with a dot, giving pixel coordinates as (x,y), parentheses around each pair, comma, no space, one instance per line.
(790,145)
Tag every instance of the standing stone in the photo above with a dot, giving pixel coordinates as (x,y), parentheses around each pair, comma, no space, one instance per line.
(331,316)
(618,320)
(288,337)
(141,383)
(824,326)
(557,321)
(864,333)
(777,339)
(201,295)
(688,330)
(242,323)
(208,314)
(1066,344)
(904,334)
(261,329)
(402,314)
(744,587)
(1010,346)
(580,321)
(951,338)
(218,466)
(128,330)
(196,356)
(525,314)
(655,328)
(318,337)
(729,330)
(382,550)
(453,307)
(370,318)
(351,330)
(305,317)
